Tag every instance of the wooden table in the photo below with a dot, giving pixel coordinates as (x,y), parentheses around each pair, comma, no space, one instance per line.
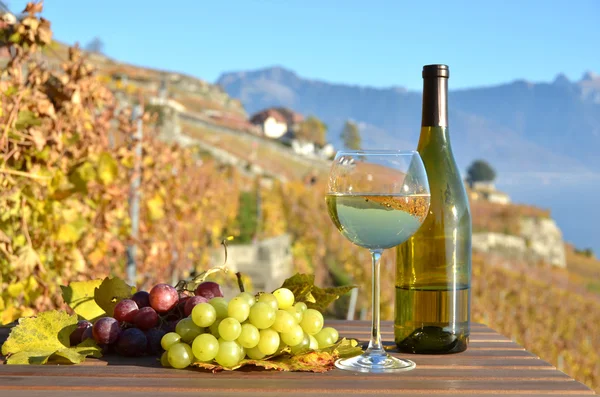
(491,365)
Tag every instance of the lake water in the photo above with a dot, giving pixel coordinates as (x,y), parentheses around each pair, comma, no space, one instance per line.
(573,200)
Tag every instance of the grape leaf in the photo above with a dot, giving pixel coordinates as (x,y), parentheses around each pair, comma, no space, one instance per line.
(79,295)
(315,361)
(45,337)
(304,289)
(301,285)
(325,296)
(345,348)
(110,292)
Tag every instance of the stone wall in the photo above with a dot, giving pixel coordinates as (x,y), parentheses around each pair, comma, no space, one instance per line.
(267,262)
(539,240)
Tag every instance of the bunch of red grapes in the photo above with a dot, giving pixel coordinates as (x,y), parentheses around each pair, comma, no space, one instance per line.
(139,323)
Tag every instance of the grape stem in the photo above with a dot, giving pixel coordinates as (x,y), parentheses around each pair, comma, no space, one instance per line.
(191,285)
(240,282)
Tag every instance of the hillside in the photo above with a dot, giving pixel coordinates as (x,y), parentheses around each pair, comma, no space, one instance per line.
(78,227)
(518,126)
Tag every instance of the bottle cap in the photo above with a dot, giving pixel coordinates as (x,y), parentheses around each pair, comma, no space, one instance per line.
(436,71)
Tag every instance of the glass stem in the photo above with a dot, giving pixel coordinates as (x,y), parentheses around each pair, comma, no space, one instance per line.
(375,346)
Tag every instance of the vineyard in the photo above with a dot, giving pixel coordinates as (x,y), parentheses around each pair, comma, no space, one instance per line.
(67,161)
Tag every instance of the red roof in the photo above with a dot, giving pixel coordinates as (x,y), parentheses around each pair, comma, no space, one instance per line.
(282,115)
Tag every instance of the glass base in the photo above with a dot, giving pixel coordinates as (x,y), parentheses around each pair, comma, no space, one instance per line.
(377,364)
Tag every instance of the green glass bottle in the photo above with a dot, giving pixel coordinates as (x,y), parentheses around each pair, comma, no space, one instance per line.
(433,269)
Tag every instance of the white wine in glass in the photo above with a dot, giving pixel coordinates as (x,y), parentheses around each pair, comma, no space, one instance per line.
(377,199)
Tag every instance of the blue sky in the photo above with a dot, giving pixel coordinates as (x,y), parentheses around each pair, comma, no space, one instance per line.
(376,43)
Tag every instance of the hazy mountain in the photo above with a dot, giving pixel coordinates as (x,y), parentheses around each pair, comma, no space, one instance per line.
(518,126)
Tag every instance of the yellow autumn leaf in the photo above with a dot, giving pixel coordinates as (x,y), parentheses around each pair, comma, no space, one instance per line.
(68,233)
(15,289)
(107,168)
(156,207)
(110,292)
(35,340)
(79,295)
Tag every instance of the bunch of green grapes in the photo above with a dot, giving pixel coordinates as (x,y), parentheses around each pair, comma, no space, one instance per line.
(256,327)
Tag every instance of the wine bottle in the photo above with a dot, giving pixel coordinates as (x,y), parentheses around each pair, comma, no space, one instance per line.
(433,269)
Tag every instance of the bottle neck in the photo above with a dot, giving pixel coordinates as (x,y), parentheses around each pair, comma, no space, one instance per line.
(435,102)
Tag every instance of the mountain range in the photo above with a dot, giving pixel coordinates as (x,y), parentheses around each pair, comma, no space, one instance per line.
(517,126)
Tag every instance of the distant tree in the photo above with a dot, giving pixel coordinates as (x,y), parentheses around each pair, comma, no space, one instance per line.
(95,45)
(585,252)
(312,130)
(351,136)
(480,171)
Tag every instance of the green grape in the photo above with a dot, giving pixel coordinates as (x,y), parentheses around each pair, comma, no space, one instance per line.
(285,298)
(325,337)
(180,355)
(301,307)
(248,297)
(249,336)
(204,314)
(238,308)
(230,329)
(164,360)
(187,329)
(282,345)
(262,316)
(284,321)
(312,321)
(228,354)
(255,354)
(294,336)
(220,304)
(269,299)
(314,345)
(303,346)
(295,313)
(169,339)
(214,328)
(269,341)
(205,347)
(242,352)
(333,332)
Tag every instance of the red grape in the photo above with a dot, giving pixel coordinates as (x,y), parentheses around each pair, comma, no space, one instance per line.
(106,330)
(163,297)
(209,290)
(125,310)
(154,336)
(76,336)
(142,298)
(169,326)
(191,302)
(145,318)
(87,334)
(132,342)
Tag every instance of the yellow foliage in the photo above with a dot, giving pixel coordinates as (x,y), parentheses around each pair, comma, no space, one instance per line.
(65,204)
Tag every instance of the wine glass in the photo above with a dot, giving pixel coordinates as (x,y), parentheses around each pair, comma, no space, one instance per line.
(377,199)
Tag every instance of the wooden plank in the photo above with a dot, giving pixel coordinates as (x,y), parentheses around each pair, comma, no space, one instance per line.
(421,372)
(218,393)
(234,383)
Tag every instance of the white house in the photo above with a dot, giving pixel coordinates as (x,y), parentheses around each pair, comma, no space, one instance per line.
(276,122)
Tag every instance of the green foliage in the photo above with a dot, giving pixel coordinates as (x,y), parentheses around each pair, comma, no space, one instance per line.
(480,171)
(351,136)
(312,130)
(587,252)
(247,219)
(46,337)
